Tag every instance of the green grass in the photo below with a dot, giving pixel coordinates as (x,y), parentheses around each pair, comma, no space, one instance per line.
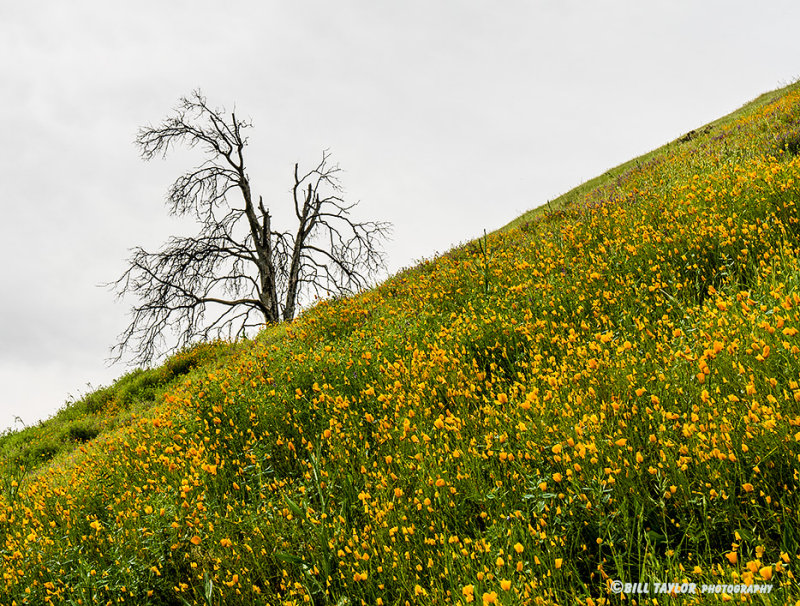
(606,181)
(608,391)
(98,412)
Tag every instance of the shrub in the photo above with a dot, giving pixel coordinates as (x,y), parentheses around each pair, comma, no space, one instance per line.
(39,453)
(82,431)
(97,400)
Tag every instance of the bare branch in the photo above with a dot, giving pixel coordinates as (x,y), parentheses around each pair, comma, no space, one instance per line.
(238,272)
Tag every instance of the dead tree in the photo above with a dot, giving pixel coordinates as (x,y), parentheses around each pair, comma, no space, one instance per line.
(238,272)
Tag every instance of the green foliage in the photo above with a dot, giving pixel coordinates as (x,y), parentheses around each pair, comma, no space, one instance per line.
(612,393)
(82,431)
(97,400)
(102,409)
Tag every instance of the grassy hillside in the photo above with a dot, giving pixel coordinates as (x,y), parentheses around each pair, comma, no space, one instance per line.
(607,391)
(99,411)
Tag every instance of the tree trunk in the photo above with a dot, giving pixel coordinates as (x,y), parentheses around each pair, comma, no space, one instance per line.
(262,242)
(303,231)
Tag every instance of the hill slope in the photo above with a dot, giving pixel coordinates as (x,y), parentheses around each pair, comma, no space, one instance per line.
(607,391)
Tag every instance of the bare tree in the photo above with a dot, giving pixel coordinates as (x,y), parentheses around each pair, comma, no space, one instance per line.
(238,272)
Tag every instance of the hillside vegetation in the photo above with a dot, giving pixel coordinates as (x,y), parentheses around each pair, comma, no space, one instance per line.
(606,390)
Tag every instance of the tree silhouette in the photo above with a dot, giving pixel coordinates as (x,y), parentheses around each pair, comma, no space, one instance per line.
(238,272)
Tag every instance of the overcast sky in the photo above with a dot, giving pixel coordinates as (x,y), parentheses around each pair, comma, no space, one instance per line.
(447,117)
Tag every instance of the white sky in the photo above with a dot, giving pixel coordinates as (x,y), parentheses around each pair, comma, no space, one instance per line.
(447,117)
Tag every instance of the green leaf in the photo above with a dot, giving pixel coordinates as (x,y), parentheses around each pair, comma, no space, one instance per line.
(294,507)
(287,557)
(209,588)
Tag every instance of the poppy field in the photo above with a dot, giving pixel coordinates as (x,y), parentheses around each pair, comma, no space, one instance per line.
(607,391)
